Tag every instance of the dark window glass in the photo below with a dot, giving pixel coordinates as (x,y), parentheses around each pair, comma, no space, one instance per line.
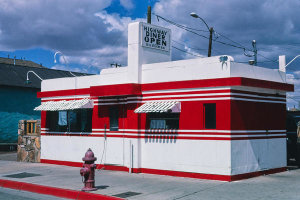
(70,121)
(114,119)
(51,121)
(210,116)
(86,120)
(164,120)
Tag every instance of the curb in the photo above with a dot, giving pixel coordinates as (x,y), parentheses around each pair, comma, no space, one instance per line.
(58,192)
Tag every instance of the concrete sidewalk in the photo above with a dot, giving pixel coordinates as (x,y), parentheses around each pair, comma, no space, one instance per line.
(285,185)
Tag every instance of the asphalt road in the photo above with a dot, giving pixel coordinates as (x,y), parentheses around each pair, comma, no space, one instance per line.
(9,194)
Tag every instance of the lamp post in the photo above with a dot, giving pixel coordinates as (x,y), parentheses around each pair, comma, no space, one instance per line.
(27,79)
(58,52)
(211,30)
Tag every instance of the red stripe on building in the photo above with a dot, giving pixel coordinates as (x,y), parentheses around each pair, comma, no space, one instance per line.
(135,89)
(173,137)
(116,90)
(234,81)
(81,91)
(173,173)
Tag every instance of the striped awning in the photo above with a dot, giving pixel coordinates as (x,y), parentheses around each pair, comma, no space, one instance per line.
(159,106)
(65,105)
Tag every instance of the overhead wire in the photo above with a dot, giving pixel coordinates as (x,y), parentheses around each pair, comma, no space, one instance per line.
(222,35)
(192,30)
(191,47)
(292,98)
(187,52)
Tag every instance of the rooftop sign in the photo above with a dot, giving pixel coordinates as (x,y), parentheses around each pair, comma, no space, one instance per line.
(155,37)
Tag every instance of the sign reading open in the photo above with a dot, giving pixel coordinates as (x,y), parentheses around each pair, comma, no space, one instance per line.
(155,37)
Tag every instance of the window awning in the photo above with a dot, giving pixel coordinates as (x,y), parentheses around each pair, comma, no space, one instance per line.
(65,105)
(159,106)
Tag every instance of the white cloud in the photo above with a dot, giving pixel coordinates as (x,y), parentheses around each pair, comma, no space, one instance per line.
(90,36)
(127,4)
(113,21)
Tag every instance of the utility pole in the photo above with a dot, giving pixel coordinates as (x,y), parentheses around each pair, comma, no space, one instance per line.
(211,30)
(254,51)
(149,15)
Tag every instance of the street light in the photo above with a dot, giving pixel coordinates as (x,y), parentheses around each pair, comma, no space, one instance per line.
(27,79)
(58,52)
(211,30)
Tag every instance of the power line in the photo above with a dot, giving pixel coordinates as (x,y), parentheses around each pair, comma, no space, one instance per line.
(231,40)
(181,43)
(292,99)
(192,30)
(268,58)
(178,25)
(187,52)
(192,47)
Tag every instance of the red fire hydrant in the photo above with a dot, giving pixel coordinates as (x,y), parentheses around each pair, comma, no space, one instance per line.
(88,171)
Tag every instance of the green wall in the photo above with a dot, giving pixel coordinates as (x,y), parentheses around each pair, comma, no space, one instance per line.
(16,104)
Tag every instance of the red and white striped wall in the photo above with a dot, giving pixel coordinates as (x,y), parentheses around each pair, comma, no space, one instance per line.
(249,138)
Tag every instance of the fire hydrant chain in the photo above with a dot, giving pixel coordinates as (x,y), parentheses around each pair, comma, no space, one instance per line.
(88,171)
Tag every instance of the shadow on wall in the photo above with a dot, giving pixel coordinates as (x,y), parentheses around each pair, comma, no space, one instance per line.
(161,136)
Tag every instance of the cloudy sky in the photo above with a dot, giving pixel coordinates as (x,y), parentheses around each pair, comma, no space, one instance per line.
(92,34)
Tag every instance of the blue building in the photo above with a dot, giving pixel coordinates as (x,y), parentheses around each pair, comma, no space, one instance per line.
(18,98)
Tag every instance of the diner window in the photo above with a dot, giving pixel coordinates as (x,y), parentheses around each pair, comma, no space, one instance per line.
(210,116)
(163,120)
(113,118)
(70,121)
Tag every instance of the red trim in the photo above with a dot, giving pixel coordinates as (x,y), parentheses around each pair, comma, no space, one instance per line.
(78,164)
(234,81)
(259,173)
(58,192)
(113,168)
(135,89)
(59,162)
(116,90)
(81,91)
(172,137)
(186,174)
(176,133)
(212,176)
(262,94)
(174,173)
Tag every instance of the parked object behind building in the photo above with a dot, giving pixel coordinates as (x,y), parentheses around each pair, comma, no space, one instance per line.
(293,134)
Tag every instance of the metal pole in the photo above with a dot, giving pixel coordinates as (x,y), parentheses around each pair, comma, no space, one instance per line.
(130,157)
(149,15)
(211,30)
(255,52)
